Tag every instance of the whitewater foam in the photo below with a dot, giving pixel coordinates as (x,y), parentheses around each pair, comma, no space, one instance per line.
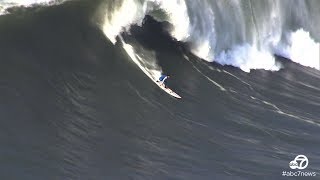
(178,17)
(203,51)
(301,49)
(132,12)
(248,57)
(5,4)
(127,14)
(245,47)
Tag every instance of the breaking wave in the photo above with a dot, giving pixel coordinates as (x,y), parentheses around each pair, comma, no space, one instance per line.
(5,5)
(242,34)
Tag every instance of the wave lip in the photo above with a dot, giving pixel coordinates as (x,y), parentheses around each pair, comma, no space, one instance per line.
(6,4)
(131,12)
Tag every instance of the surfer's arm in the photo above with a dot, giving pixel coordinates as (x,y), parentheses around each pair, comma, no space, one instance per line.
(164,79)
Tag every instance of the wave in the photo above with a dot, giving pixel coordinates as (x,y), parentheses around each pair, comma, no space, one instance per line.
(242,34)
(144,59)
(76,107)
(126,13)
(5,5)
(301,48)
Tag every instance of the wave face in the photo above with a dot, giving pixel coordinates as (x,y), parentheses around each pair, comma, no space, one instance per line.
(244,34)
(77,101)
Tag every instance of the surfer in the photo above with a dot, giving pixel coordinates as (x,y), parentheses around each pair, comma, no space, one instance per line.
(163,80)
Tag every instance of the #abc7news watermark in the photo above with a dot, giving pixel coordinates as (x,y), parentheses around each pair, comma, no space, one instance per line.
(300,162)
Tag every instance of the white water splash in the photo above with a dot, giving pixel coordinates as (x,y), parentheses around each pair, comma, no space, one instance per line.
(147,63)
(203,51)
(248,57)
(301,49)
(26,2)
(5,4)
(121,19)
(258,54)
(178,17)
(132,12)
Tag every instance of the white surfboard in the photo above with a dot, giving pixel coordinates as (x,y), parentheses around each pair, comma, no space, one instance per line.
(167,90)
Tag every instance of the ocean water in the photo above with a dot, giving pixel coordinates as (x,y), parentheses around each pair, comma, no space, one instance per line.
(77,101)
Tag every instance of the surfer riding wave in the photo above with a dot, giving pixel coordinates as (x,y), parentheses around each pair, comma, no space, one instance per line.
(163,80)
